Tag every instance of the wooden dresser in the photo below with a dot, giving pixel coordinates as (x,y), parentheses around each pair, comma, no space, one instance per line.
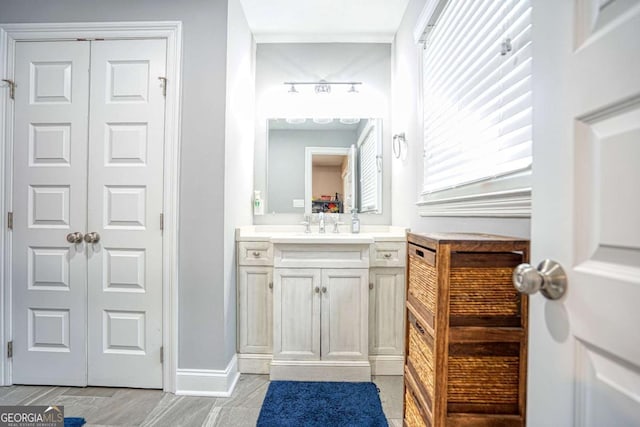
(466,331)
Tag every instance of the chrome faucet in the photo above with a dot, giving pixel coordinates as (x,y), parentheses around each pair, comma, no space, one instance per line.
(320,222)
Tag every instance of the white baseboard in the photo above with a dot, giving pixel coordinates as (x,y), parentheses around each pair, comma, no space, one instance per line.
(320,370)
(254,363)
(387,365)
(208,382)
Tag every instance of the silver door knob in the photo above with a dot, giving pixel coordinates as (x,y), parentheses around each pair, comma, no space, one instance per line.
(549,278)
(74,237)
(92,237)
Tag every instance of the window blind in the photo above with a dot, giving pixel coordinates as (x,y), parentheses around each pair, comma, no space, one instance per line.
(370,169)
(477,93)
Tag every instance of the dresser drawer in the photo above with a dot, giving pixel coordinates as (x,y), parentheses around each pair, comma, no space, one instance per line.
(255,253)
(388,254)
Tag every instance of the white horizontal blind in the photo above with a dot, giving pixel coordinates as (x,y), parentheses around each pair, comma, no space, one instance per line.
(477,102)
(370,171)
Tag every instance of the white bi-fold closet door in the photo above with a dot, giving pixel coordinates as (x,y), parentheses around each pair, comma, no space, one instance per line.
(88,165)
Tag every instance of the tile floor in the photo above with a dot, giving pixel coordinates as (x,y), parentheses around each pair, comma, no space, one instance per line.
(135,407)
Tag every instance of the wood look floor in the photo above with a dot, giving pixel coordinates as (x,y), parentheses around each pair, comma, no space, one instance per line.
(135,407)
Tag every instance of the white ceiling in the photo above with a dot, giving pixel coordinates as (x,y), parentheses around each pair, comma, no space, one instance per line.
(324,20)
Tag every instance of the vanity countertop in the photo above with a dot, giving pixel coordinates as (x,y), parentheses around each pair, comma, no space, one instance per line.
(295,234)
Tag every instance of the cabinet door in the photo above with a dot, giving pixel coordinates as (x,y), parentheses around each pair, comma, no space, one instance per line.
(386,311)
(296,314)
(255,305)
(345,303)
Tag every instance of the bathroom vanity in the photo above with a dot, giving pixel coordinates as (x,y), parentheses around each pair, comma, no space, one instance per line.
(321,306)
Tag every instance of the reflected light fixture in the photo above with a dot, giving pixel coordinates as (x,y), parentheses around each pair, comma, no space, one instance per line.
(323,86)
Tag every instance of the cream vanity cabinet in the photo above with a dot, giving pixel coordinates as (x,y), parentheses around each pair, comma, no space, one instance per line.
(321,311)
(321,307)
(255,306)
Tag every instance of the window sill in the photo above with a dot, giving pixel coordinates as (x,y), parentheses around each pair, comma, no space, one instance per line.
(503,197)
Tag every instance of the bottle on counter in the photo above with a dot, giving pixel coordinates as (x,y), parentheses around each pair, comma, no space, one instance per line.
(355,221)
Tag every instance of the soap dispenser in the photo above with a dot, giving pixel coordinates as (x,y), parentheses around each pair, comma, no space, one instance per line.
(355,221)
(258,203)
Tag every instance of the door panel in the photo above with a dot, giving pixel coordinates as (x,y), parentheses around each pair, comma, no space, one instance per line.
(296,308)
(584,359)
(125,202)
(49,201)
(345,314)
(255,302)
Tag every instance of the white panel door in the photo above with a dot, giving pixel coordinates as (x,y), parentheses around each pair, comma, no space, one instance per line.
(584,357)
(345,314)
(49,201)
(296,314)
(124,205)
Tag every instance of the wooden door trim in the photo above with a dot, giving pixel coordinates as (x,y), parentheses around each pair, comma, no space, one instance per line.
(171,31)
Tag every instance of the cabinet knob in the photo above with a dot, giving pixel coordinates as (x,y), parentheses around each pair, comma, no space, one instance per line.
(256,254)
(324,289)
(317,289)
(270,285)
(387,256)
(371,285)
(549,278)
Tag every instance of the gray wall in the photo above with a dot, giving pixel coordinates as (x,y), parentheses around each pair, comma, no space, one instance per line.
(287,161)
(238,181)
(201,293)
(407,172)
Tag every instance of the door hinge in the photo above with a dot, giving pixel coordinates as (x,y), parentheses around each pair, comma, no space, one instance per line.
(161,354)
(12,88)
(10,220)
(164,85)
(161,222)
(10,349)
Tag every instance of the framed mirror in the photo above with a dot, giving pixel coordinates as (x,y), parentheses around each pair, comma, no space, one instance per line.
(324,165)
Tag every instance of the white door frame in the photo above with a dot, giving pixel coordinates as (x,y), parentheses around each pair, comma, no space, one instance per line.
(309,152)
(171,31)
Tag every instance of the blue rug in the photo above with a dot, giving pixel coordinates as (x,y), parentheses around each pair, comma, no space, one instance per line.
(321,404)
(74,422)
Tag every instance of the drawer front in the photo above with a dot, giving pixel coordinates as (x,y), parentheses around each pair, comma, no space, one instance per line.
(412,414)
(388,254)
(255,253)
(482,291)
(420,356)
(415,412)
(321,255)
(422,290)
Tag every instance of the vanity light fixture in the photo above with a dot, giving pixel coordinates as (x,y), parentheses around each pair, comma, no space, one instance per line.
(323,86)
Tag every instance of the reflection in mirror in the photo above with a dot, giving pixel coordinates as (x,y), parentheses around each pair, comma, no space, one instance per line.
(327,165)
